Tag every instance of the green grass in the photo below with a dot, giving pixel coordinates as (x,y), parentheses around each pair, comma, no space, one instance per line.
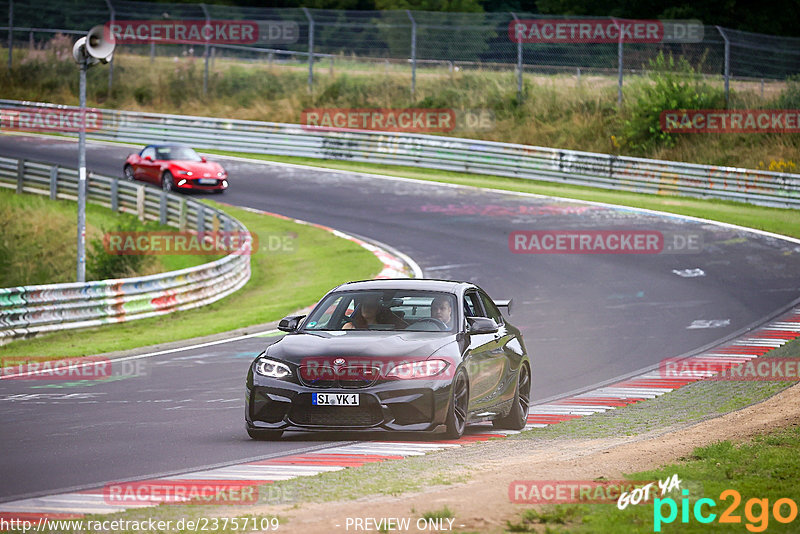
(38,244)
(556,110)
(281,282)
(777,220)
(768,467)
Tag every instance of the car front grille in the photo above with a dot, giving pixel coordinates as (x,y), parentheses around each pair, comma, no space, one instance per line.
(349,377)
(303,413)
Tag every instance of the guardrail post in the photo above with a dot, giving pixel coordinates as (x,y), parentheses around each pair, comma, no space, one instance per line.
(226,226)
(114,195)
(53,182)
(201,219)
(413,53)
(519,62)
(162,208)
(140,202)
(20,175)
(727,67)
(310,49)
(182,215)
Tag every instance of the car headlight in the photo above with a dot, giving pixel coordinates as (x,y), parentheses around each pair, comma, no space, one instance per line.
(425,369)
(272,369)
(187,173)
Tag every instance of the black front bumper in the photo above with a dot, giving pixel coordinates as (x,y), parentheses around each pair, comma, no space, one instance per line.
(399,405)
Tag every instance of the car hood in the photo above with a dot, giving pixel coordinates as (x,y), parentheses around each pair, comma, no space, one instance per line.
(199,168)
(374,345)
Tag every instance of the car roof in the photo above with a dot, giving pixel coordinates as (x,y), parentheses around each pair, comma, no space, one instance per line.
(423,284)
(159,145)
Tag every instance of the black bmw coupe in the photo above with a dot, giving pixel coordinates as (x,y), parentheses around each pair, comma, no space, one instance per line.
(400,355)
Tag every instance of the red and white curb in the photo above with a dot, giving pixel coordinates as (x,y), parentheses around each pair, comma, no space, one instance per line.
(654,383)
(103,501)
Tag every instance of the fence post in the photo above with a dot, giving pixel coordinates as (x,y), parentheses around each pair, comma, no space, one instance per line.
(727,65)
(10,33)
(182,215)
(53,182)
(205,53)
(140,202)
(519,62)
(162,208)
(413,53)
(620,63)
(152,51)
(114,195)
(201,219)
(310,49)
(110,63)
(20,175)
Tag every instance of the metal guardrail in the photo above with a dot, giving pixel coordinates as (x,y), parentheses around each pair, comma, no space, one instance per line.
(31,310)
(448,153)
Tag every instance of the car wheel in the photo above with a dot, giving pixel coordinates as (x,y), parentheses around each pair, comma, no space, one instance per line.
(517,418)
(128,172)
(457,412)
(166,181)
(263,434)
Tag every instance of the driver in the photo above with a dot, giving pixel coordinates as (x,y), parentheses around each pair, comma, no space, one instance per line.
(442,309)
(370,312)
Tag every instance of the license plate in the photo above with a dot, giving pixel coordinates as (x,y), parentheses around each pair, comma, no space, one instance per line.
(207,181)
(334,399)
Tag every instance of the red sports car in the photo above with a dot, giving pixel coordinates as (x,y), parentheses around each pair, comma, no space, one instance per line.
(174,168)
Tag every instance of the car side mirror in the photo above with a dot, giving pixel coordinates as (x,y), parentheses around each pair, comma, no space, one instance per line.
(481,325)
(148,158)
(203,159)
(290,323)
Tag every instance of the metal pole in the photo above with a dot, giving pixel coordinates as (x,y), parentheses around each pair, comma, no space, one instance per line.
(413,53)
(82,179)
(727,65)
(519,62)
(10,33)
(620,59)
(310,49)
(205,54)
(110,63)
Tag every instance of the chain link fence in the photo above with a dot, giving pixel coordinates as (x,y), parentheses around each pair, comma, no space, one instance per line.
(404,41)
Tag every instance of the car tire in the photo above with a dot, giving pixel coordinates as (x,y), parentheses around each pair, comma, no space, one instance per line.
(127,170)
(517,418)
(261,434)
(457,411)
(166,182)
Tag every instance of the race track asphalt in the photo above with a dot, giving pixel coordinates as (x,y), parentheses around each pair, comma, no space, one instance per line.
(587,318)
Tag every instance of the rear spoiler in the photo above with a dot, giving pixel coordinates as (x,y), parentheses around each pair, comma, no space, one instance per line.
(504,304)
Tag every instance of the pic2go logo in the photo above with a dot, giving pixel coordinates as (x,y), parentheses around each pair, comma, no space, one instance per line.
(757,522)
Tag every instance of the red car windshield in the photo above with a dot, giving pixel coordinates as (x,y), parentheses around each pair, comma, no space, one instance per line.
(181,153)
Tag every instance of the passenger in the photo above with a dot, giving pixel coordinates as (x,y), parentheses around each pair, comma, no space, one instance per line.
(442,309)
(370,312)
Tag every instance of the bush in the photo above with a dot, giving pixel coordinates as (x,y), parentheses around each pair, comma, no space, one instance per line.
(670,84)
(102,265)
(790,96)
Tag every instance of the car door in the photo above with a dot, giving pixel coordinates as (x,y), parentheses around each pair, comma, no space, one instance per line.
(484,359)
(146,168)
(503,367)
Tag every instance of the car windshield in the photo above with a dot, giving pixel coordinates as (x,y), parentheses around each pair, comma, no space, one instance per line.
(182,153)
(385,310)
